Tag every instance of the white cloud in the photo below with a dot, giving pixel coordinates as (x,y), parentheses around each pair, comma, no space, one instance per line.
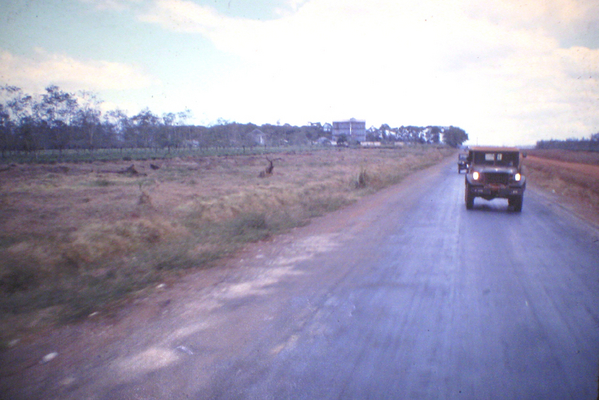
(289,7)
(35,73)
(117,5)
(185,16)
(556,17)
(498,71)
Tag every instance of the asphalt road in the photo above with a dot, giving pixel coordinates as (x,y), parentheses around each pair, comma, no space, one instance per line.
(406,295)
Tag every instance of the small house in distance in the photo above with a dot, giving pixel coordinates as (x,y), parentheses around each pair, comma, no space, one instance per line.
(257,137)
(354,130)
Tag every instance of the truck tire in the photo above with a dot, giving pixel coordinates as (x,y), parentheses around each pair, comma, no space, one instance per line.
(516,202)
(469,198)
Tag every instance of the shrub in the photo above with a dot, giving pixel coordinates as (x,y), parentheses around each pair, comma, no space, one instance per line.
(248,227)
(17,279)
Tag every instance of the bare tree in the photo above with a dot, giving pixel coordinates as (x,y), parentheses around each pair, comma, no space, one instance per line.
(55,114)
(88,120)
(269,169)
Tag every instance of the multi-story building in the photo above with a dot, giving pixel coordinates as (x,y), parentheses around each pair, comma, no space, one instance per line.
(353,129)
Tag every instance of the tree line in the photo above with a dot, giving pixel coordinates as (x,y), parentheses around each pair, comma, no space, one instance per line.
(60,120)
(451,136)
(590,144)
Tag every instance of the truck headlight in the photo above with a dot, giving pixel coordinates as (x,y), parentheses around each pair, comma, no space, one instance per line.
(475,175)
(517,177)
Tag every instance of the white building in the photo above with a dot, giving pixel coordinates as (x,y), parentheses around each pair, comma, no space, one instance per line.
(353,129)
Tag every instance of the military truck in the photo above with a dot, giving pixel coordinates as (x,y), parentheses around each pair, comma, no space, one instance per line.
(495,172)
(462,162)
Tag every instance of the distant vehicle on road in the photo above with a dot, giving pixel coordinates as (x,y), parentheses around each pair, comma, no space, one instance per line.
(462,162)
(495,172)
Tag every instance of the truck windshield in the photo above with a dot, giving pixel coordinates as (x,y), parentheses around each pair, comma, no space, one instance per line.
(506,159)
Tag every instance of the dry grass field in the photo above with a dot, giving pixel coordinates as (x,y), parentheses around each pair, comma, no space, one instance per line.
(572,176)
(77,237)
(577,157)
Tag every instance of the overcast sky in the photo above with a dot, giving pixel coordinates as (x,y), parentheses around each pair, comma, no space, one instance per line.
(508,72)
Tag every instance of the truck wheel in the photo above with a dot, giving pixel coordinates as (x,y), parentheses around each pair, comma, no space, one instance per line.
(517,203)
(469,198)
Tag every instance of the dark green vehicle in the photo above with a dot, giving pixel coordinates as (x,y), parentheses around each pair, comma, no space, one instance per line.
(462,162)
(495,172)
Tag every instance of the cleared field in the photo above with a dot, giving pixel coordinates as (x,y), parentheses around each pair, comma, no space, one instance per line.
(77,237)
(571,176)
(578,157)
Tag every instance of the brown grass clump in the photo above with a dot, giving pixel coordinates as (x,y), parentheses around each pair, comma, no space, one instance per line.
(76,237)
(99,241)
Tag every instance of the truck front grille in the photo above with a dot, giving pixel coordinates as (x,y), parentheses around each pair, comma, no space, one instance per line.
(496,177)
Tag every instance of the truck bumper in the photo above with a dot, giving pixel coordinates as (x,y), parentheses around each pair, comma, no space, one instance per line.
(493,192)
